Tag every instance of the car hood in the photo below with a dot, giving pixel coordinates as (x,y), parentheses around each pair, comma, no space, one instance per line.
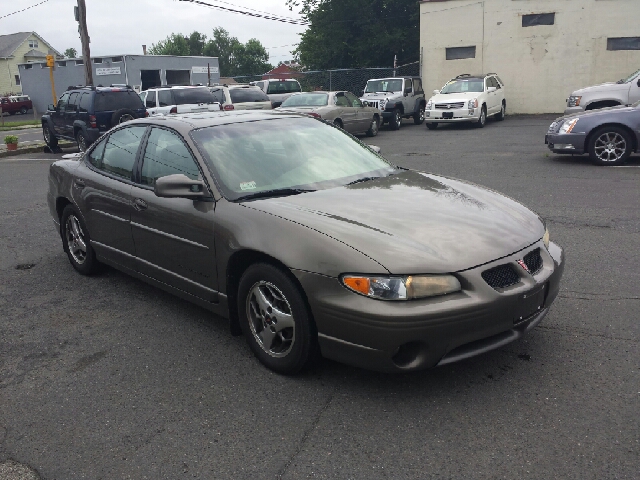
(455,97)
(603,87)
(596,113)
(380,96)
(414,222)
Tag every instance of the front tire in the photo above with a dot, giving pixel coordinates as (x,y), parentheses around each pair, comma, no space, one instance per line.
(396,121)
(338,123)
(82,141)
(432,126)
(76,241)
(483,117)
(610,146)
(275,319)
(23,110)
(418,117)
(49,137)
(374,127)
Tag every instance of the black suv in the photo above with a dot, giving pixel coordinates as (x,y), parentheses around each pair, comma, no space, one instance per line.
(83,114)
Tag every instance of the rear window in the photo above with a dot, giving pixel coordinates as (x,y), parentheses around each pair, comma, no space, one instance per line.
(242,95)
(106,101)
(185,96)
(283,86)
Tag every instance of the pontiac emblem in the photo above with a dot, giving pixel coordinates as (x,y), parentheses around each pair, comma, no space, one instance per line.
(523,265)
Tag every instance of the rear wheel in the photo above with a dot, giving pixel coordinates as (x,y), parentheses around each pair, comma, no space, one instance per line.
(500,116)
(76,241)
(610,146)
(418,117)
(396,121)
(432,126)
(275,319)
(373,128)
(49,137)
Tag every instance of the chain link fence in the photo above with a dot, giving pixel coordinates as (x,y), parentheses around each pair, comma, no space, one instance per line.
(351,79)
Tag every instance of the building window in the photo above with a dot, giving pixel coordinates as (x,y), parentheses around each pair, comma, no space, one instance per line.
(27,67)
(458,53)
(538,19)
(33,44)
(116,59)
(62,64)
(623,43)
(79,62)
(97,60)
(17,80)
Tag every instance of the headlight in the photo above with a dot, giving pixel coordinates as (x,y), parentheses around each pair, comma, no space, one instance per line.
(429,105)
(473,104)
(402,288)
(573,101)
(568,125)
(545,238)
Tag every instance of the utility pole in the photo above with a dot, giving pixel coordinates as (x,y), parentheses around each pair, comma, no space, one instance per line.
(81,18)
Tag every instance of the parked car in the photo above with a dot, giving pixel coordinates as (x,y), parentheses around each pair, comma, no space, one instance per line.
(467,98)
(241,97)
(622,92)
(343,109)
(83,114)
(182,99)
(396,98)
(16,104)
(608,135)
(307,239)
(278,90)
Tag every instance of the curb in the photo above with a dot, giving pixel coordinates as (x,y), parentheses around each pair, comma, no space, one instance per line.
(30,149)
(21,127)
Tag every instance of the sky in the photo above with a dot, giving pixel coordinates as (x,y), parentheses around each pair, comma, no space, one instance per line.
(122,27)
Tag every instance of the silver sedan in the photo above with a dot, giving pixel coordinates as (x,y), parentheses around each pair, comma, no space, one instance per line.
(341,108)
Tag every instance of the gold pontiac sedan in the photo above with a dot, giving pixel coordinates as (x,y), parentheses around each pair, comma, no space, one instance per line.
(341,108)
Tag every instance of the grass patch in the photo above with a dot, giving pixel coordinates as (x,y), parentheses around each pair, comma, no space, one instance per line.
(21,123)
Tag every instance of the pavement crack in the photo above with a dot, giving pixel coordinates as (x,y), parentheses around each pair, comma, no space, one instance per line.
(305,437)
(585,333)
(594,296)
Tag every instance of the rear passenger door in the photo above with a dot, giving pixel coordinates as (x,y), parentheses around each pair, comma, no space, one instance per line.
(346,112)
(71,113)
(173,236)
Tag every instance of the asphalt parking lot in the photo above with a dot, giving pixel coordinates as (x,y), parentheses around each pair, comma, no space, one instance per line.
(109,378)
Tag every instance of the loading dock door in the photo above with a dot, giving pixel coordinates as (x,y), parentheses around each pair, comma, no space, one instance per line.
(150,79)
(178,77)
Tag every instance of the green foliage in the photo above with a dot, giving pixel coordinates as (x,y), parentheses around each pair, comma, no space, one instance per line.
(358,33)
(70,53)
(234,57)
(10,139)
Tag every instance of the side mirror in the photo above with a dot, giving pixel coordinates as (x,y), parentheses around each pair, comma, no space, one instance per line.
(491,89)
(51,107)
(375,148)
(436,92)
(407,91)
(179,186)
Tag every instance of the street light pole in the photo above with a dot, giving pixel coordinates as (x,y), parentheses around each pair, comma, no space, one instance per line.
(81,17)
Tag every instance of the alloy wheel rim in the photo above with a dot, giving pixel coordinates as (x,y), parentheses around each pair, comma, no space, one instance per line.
(46,134)
(270,319)
(398,119)
(422,114)
(610,147)
(483,117)
(82,143)
(75,240)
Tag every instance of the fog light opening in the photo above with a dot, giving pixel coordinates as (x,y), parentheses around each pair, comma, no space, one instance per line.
(409,354)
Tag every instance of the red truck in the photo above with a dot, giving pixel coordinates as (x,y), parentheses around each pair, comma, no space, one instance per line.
(16,103)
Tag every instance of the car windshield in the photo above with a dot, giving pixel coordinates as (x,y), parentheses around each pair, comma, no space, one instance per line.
(464,85)
(244,95)
(283,86)
(284,154)
(629,78)
(384,85)
(186,96)
(107,101)
(307,100)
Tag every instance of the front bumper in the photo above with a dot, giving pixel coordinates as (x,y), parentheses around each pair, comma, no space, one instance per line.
(418,334)
(456,116)
(566,143)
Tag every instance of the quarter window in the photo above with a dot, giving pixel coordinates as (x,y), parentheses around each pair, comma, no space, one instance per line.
(120,151)
(166,154)
(417,86)
(95,157)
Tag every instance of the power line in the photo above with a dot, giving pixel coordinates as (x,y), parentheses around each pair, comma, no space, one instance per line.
(254,10)
(269,16)
(18,11)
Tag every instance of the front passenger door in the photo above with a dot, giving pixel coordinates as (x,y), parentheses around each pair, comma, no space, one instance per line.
(173,236)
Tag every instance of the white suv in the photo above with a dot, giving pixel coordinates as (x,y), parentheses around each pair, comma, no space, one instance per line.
(240,97)
(165,100)
(467,98)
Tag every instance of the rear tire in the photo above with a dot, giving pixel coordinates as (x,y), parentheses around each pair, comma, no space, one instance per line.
(500,116)
(76,241)
(275,319)
(432,126)
(396,121)
(610,146)
(82,141)
(49,137)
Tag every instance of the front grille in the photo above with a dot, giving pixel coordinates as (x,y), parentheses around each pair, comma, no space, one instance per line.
(533,261)
(449,106)
(371,103)
(501,277)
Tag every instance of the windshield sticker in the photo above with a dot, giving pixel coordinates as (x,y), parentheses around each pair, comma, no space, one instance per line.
(247,186)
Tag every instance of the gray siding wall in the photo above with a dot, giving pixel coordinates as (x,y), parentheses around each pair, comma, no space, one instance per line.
(35,80)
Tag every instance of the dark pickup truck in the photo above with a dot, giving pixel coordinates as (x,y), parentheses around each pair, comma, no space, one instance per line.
(15,104)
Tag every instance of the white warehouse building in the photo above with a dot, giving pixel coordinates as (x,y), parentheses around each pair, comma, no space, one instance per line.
(542,49)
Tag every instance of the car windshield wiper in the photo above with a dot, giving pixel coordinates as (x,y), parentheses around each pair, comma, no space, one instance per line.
(278,192)
(360,180)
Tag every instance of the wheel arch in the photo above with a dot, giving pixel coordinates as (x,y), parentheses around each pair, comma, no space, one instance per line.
(596,104)
(626,128)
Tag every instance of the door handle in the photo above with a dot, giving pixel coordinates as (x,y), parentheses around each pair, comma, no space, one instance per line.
(139,204)
(78,183)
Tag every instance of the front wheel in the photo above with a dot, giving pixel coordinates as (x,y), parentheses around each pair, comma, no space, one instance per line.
(610,146)
(432,126)
(82,141)
(337,123)
(76,241)
(373,128)
(418,117)
(396,121)
(483,117)
(275,319)
(49,137)
(23,110)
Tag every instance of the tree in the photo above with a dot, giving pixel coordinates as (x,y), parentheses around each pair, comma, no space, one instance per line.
(358,33)
(234,57)
(70,53)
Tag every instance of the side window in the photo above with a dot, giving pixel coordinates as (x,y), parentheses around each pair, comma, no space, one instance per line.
(85,102)
(218,95)
(95,156)
(417,86)
(496,83)
(164,98)
(73,98)
(150,102)
(355,102)
(166,154)
(341,100)
(62,103)
(120,151)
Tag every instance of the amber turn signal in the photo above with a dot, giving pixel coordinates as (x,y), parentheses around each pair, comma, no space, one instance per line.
(359,284)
